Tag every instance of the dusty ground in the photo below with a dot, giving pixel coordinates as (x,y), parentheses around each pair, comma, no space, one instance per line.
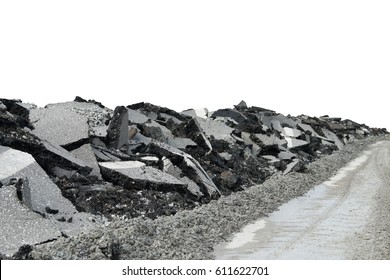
(193,234)
(374,241)
(345,217)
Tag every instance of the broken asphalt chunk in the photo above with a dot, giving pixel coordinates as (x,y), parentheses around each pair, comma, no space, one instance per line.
(59,126)
(118,129)
(136,175)
(190,167)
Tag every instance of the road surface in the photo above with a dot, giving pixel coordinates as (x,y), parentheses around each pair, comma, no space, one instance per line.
(347,217)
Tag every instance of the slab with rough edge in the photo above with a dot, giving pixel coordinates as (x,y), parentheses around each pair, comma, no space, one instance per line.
(20,225)
(59,126)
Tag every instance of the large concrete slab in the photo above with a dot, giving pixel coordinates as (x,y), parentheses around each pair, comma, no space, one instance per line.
(218,130)
(136,117)
(40,194)
(59,126)
(134,174)
(21,226)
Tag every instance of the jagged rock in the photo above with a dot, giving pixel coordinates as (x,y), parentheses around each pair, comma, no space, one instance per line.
(201,113)
(136,117)
(333,137)
(270,141)
(3,108)
(118,129)
(38,191)
(241,106)
(153,111)
(306,127)
(291,132)
(136,175)
(157,132)
(228,180)
(216,130)
(229,113)
(46,154)
(86,154)
(294,166)
(167,117)
(194,131)
(176,172)
(20,112)
(20,225)
(190,167)
(294,143)
(60,126)
(225,156)
(181,143)
(247,138)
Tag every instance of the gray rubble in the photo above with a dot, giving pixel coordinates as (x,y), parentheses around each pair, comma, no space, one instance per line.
(79,165)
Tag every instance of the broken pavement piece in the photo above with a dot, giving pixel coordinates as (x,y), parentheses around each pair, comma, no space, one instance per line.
(43,192)
(181,143)
(193,130)
(59,126)
(136,117)
(294,166)
(20,225)
(201,113)
(229,113)
(135,175)
(294,143)
(39,192)
(176,172)
(330,135)
(216,130)
(157,131)
(86,154)
(291,132)
(118,129)
(190,167)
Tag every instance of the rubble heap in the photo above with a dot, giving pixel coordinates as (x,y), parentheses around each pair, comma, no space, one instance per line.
(67,166)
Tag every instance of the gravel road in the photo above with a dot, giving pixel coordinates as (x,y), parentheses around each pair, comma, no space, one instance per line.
(194,234)
(345,217)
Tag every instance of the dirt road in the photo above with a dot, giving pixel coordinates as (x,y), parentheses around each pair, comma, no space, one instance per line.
(347,217)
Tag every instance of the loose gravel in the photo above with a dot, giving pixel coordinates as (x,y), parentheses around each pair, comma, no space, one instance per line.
(193,234)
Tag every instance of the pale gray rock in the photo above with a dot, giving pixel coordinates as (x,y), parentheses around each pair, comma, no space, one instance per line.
(135,175)
(59,126)
(294,143)
(218,130)
(294,166)
(87,155)
(21,226)
(330,135)
(194,170)
(136,117)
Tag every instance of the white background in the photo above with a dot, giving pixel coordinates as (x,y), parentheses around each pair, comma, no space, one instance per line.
(295,57)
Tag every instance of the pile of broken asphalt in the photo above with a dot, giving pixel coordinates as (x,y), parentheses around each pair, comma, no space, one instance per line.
(80,181)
